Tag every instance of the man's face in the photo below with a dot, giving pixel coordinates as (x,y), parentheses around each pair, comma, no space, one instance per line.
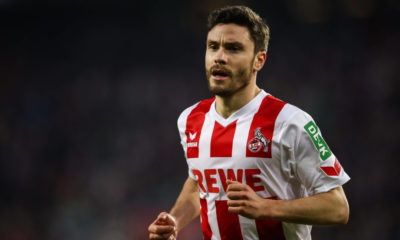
(229,59)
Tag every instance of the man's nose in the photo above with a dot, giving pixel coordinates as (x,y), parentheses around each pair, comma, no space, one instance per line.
(220,56)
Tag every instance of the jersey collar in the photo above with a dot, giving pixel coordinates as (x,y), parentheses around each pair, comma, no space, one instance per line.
(249,109)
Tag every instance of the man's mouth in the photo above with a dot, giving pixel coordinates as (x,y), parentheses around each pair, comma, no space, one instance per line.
(220,73)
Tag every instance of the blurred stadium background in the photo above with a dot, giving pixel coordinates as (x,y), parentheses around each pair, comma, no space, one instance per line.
(90,92)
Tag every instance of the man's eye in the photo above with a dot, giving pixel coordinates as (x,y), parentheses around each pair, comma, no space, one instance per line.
(213,46)
(234,48)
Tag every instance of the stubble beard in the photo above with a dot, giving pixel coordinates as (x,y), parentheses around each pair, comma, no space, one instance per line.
(237,82)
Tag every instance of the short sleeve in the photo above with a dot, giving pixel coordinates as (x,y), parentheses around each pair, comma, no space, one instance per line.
(316,167)
(181,128)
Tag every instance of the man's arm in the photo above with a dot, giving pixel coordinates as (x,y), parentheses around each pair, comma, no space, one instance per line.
(186,208)
(327,208)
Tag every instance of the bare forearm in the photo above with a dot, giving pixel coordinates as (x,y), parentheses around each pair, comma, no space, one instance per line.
(322,209)
(187,206)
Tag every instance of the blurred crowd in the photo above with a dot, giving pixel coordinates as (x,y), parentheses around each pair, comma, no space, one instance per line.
(90,94)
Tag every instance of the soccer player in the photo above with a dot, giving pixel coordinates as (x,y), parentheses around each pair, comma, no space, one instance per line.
(258,167)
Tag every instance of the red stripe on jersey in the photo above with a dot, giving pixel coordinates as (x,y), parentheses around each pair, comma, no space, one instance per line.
(269,229)
(205,226)
(228,223)
(222,140)
(194,124)
(264,121)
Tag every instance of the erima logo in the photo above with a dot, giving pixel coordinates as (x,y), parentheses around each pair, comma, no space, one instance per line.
(320,144)
(192,136)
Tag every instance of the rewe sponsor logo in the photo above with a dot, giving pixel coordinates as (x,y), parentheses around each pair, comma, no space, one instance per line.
(320,144)
(192,144)
(214,180)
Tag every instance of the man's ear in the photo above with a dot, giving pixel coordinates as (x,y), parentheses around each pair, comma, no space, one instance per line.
(259,60)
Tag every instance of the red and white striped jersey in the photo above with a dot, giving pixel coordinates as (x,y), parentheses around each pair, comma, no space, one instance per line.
(272,146)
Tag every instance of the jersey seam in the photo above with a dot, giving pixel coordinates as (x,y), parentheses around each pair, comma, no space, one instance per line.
(286,123)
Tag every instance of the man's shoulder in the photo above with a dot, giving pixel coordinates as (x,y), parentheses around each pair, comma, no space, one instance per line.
(200,107)
(291,114)
(291,111)
(287,112)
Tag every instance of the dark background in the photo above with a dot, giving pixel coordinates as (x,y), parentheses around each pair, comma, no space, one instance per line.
(90,92)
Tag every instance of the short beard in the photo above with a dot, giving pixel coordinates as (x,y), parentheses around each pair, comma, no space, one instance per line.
(242,81)
(241,78)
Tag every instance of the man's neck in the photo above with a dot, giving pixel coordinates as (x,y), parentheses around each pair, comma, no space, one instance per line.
(226,106)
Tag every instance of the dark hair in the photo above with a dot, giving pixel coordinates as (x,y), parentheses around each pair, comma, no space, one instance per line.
(242,16)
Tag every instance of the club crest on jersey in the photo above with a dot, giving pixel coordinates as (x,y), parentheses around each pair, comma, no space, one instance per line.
(258,142)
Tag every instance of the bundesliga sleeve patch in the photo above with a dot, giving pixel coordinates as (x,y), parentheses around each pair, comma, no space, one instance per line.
(312,130)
